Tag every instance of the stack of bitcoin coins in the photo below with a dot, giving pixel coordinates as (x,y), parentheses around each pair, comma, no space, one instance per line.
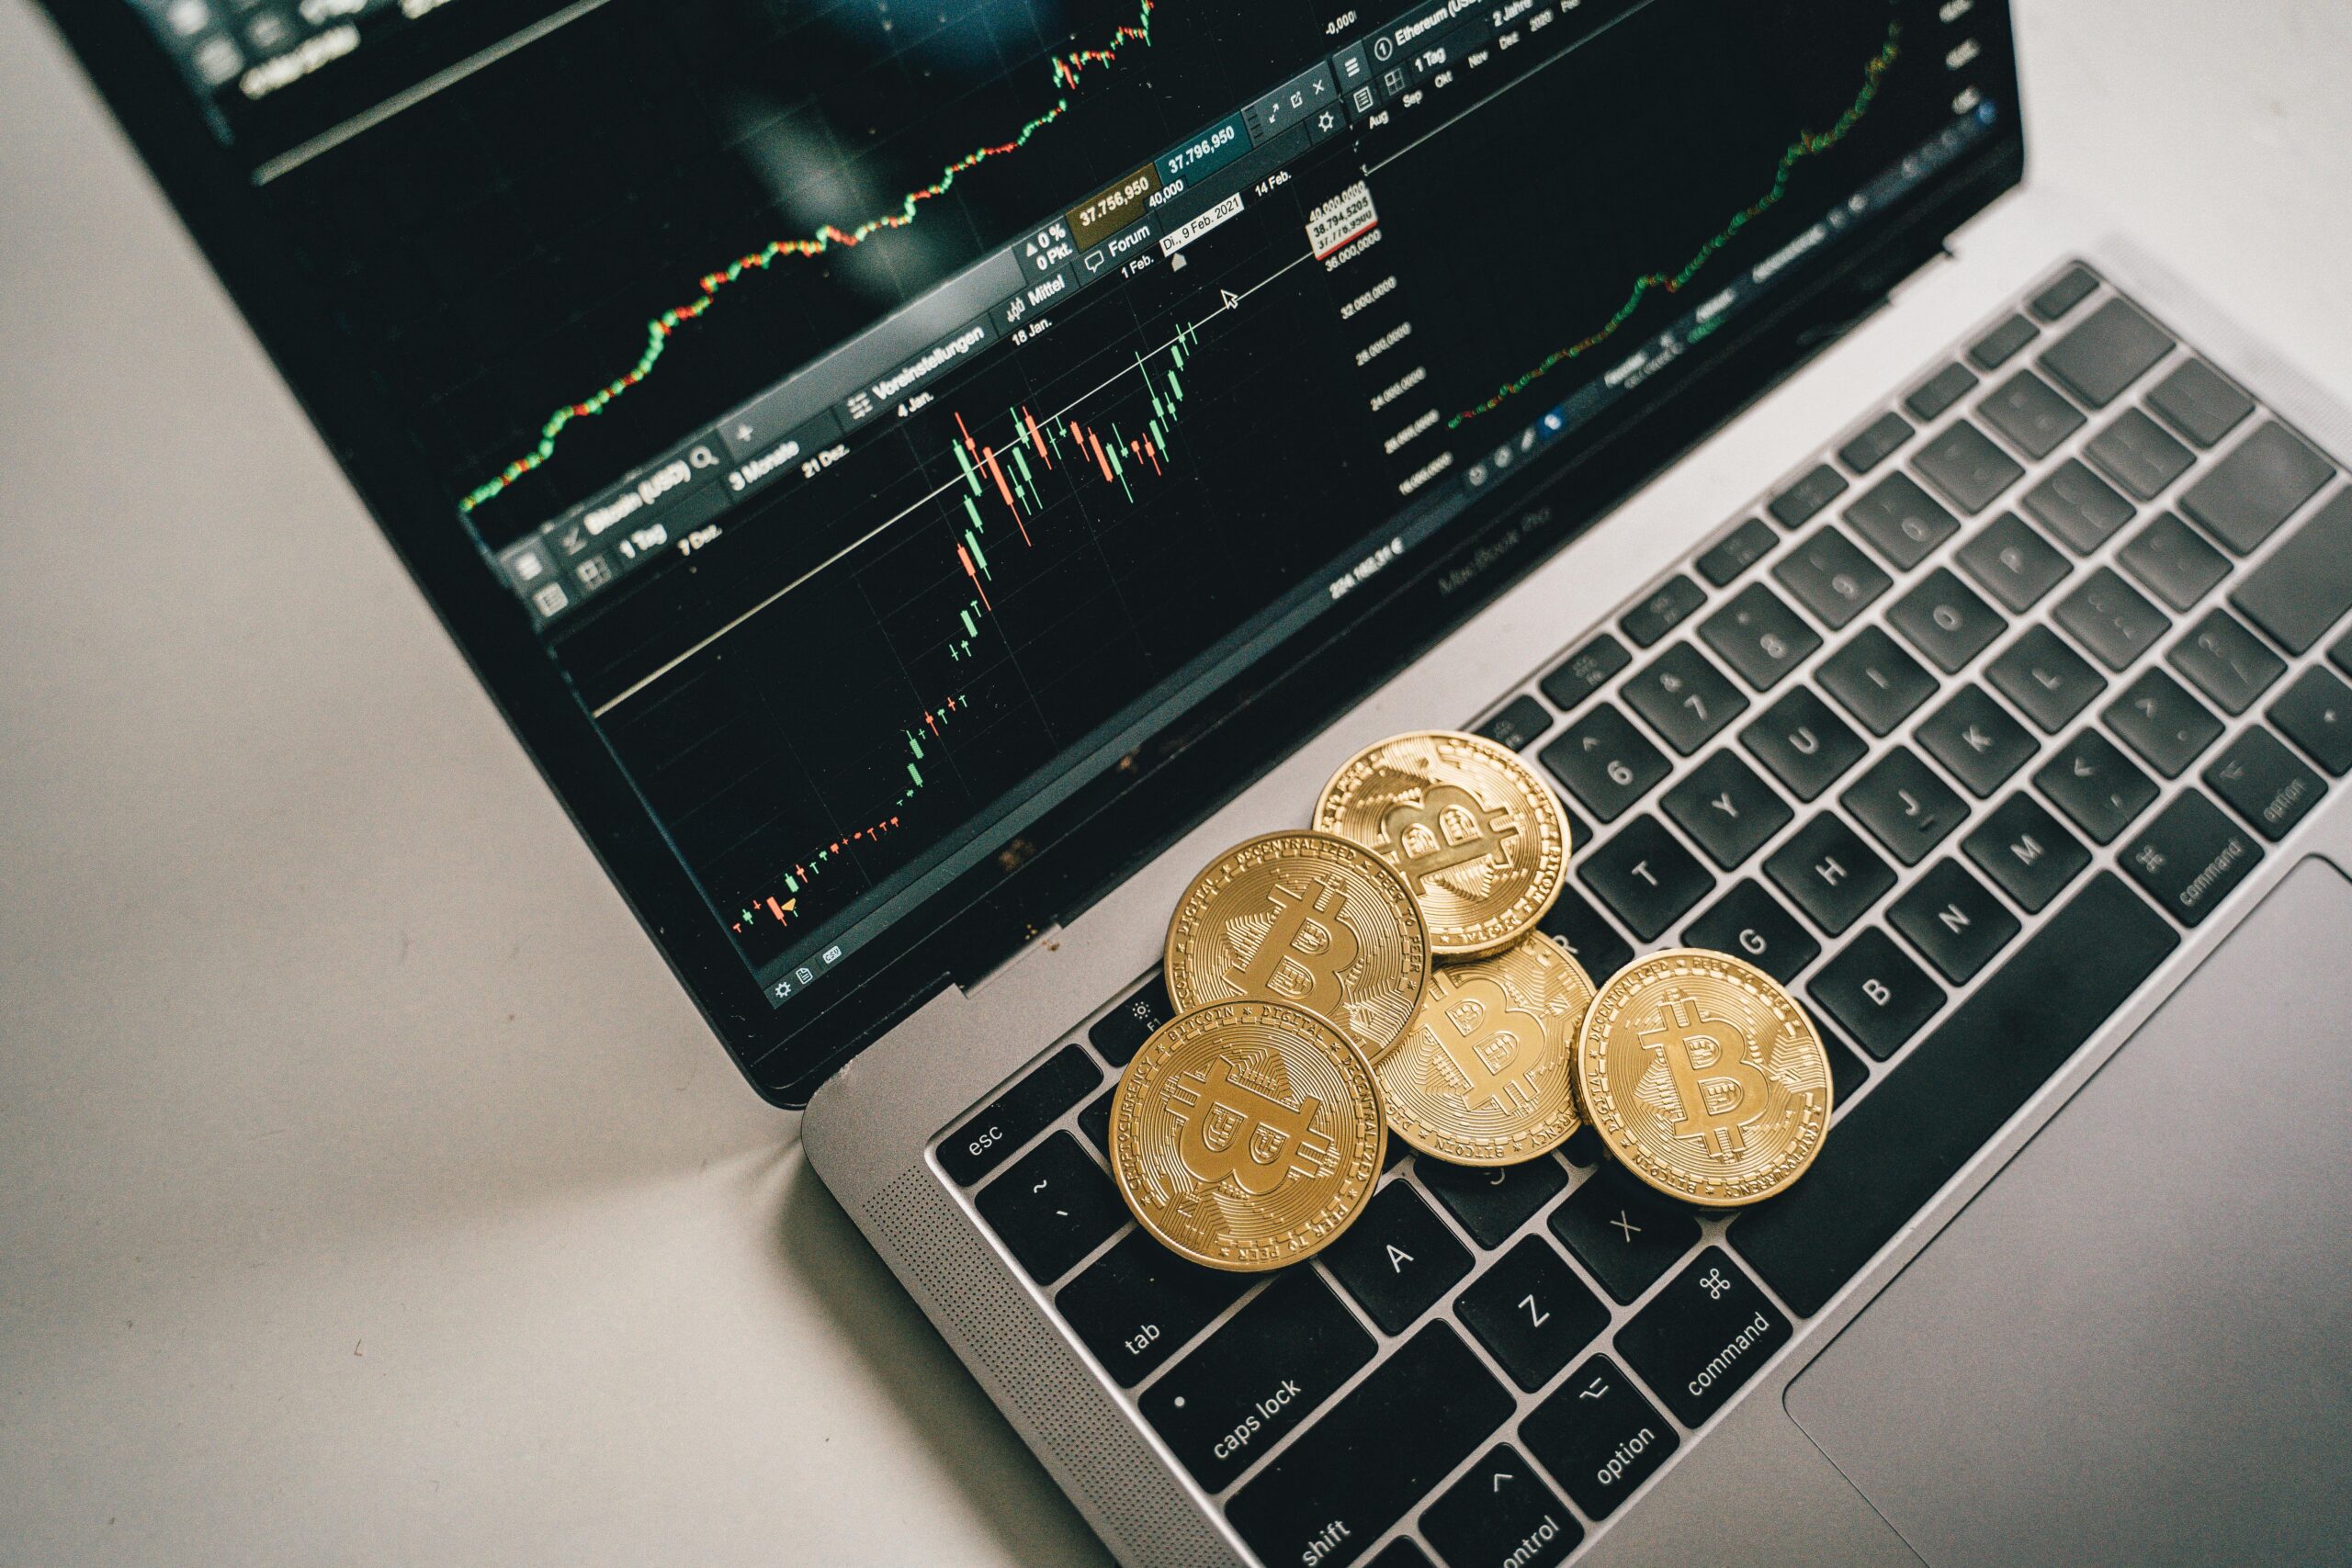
(1382,973)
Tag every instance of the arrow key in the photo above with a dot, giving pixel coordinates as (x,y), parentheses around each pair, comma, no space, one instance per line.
(1500,1512)
(2316,714)
(2096,785)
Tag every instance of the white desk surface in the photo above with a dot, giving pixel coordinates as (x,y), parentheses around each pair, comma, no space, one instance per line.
(368,1193)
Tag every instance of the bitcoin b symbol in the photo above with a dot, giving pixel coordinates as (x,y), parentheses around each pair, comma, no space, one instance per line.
(1720,1093)
(1302,955)
(1233,1132)
(1490,1043)
(1445,828)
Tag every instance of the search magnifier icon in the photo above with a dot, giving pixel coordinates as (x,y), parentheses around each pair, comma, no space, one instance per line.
(702,458)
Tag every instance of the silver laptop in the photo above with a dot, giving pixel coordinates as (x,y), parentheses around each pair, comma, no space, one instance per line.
(921,479)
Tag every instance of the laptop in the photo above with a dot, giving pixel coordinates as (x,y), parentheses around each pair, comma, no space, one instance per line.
(921,479)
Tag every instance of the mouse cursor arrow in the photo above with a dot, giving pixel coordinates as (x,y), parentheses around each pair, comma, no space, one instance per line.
(1232,300)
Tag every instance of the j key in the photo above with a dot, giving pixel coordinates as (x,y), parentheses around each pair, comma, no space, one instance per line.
(2012,562)
(1052,1208)
(1598,1436)
(2265,783)
(2189,857)
(1500,1512)
(2316,714)
(1531,1313)
(1873,442)
(1921,1121)
(2078,506)
(1962,462)
(2096,786)
(1120,1033)
(1940,391)
(1876,994)
(1830,873)
(2137,453)
(1724,805)
(1703,1337)
(1953,919)
(1621,1231)
(1492,1204)
(1832,577)
(1095,1122)
(2070,290)
(2023,848)
(1875,679)
(1684,697)
(1398,1257)
(2306,585)
(1585,671)
(2049,681)
(2226,661)
(1646,877)
(1351,1475)
(1945,620)
(1808,495)
(2109,617)
(1020,1113)
(1139,1304)
(2241,500)
(2026,410)
(1804,744)
(1897,518)
(2000,345)
(1589,939)
(1752,923)
(1976,738)
(1905,805)
(1604,762)
(2173,562)
(2106,352)
(1520,724)
(2195,400)
(1736,551)
(1758,636)
(1262,1374)
(2166,726)
(1667,607)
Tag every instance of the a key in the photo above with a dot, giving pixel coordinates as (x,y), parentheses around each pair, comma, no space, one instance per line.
(1735,552)
(2306,585)
(1139,1304)
(2023,848)
(2173,562)
(1684,698)
(1724,805)
(1875,679)
(1271,1366)
(1830,873)
(2078,506)
(2241,500)
(1940,391)
(1052,1207)
(1752,923)
(2135,452)
(1531,1313)
(2265,783)
(1349,1476)
(1922,1121)
(2096,786)
(2168,727)
(1095,1122)
(2049,681)
(2032,416)
(1019,1114)
(1904,805)
(1876,994)
(1703,1337)
(1898,520)
(2000,345)
(2315,712)
(1831,577)
(2073,286)
(1605,763)
(1589,939)
(1598,1436)
(1491,1202)
(1520,724)
(1647,878)
(2189,857)
(1397,1259)
(1625,1234)
(1974,737)
(2012,562)
(1953,919)
(1944,619)
(2197,401)
(1585,671)
(2108,616)
(1668,606)
(2226,662)
(1962,461)
(1759,637)
(1811,492)
(2106,352)
(1875,442)
(1118,1034)
(1500,1512)
(1805,745)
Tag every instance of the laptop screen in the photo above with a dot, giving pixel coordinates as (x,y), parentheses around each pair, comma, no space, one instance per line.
(886,419)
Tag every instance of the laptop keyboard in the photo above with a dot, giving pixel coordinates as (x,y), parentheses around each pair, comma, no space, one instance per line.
(1986,705)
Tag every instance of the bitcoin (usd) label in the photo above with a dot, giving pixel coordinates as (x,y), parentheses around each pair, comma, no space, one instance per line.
(1705,1078)
(1306,919)
(1476,835)
(1247,1134)
(1482,1077)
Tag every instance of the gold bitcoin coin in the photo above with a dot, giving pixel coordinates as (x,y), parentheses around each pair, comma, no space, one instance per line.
(1482,1077)
(1247,1134)
(1308,919)
(1476,833)
(1705,1078)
